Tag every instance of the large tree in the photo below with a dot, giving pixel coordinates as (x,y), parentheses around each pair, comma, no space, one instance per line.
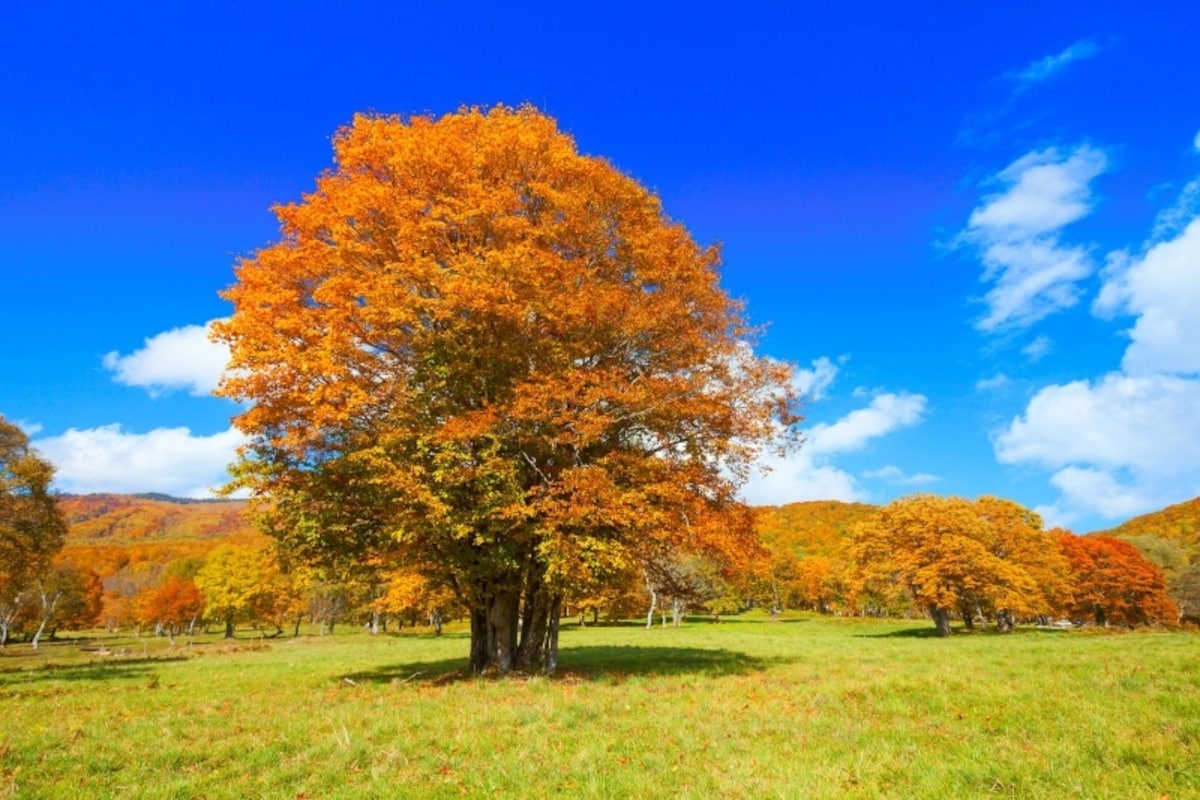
(31,526)
(485,356)
(989,556)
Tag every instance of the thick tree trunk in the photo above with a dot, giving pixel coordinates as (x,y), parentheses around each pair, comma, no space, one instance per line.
(941,620)
(505,637)
(229,627)
(1004,621)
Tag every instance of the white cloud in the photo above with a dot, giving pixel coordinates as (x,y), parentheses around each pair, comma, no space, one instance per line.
(1120,446)
(169,460)
(1162,288)
(1016,234)
(1049,66)
(886,413)
(30,429)
(1196,142)
(812,383)
(997,381)
(182,358)
(1086,490)
(810,473)
(894,475)
(1036,350)
(797,477)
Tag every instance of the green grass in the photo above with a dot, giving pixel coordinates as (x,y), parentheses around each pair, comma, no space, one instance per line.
(805,708)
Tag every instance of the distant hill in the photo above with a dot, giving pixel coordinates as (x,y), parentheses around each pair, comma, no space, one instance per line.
(117,519)
(1179,523)
(816,527)
(129,539)
(1169,538)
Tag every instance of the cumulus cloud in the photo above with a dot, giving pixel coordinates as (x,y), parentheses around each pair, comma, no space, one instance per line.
(811,473)
(1048,67)
(169,460)
(1162,289)
(182,358)
(1122,445)
(1015,232)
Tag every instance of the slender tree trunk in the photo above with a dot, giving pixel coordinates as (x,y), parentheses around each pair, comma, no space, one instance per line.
(968,617)
(941,620)
(229,627)
(653,604)
(479,640)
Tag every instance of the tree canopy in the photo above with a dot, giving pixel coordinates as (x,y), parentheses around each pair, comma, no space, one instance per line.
(497,362)
(990,556)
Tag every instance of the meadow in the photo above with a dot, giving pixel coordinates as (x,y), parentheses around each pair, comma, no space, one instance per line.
(805,707)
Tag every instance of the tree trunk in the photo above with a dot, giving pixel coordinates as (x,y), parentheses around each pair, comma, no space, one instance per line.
(968,616)
(677,609)
(229,627)
(941,620)
(653,604)
(1004,621)
(479,640)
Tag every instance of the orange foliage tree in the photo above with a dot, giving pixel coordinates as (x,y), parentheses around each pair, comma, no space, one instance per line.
(1114,583)
(990,556)
(481,353)
(171,606)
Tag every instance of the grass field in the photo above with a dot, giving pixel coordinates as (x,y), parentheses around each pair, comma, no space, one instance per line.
(803,708)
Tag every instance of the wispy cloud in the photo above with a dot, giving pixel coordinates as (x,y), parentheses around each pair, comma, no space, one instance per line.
(1015,232)
(1045,68)
(812,473)
(1038,349)
(812,383)
(181,358)
(898,477)
(994,382)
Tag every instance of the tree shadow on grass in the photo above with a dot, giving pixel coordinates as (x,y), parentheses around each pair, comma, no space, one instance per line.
(593,664)
(124,668)
(904,633)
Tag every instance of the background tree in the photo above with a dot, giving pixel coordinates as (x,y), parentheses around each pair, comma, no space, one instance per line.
(171,607)
(31,526)
(480,353)
(231,580)
(1112,582)
(68,597)
(990,556)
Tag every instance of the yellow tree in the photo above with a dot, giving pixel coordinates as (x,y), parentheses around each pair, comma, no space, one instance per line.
(232,580)
(32,529)
(953,554)
(476,351)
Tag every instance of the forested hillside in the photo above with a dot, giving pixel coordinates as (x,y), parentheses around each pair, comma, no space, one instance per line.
(1171,539)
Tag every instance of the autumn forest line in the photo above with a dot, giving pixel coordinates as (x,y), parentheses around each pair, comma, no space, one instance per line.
(163,566)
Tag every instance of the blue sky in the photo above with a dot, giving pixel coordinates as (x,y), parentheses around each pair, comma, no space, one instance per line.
(975,227)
